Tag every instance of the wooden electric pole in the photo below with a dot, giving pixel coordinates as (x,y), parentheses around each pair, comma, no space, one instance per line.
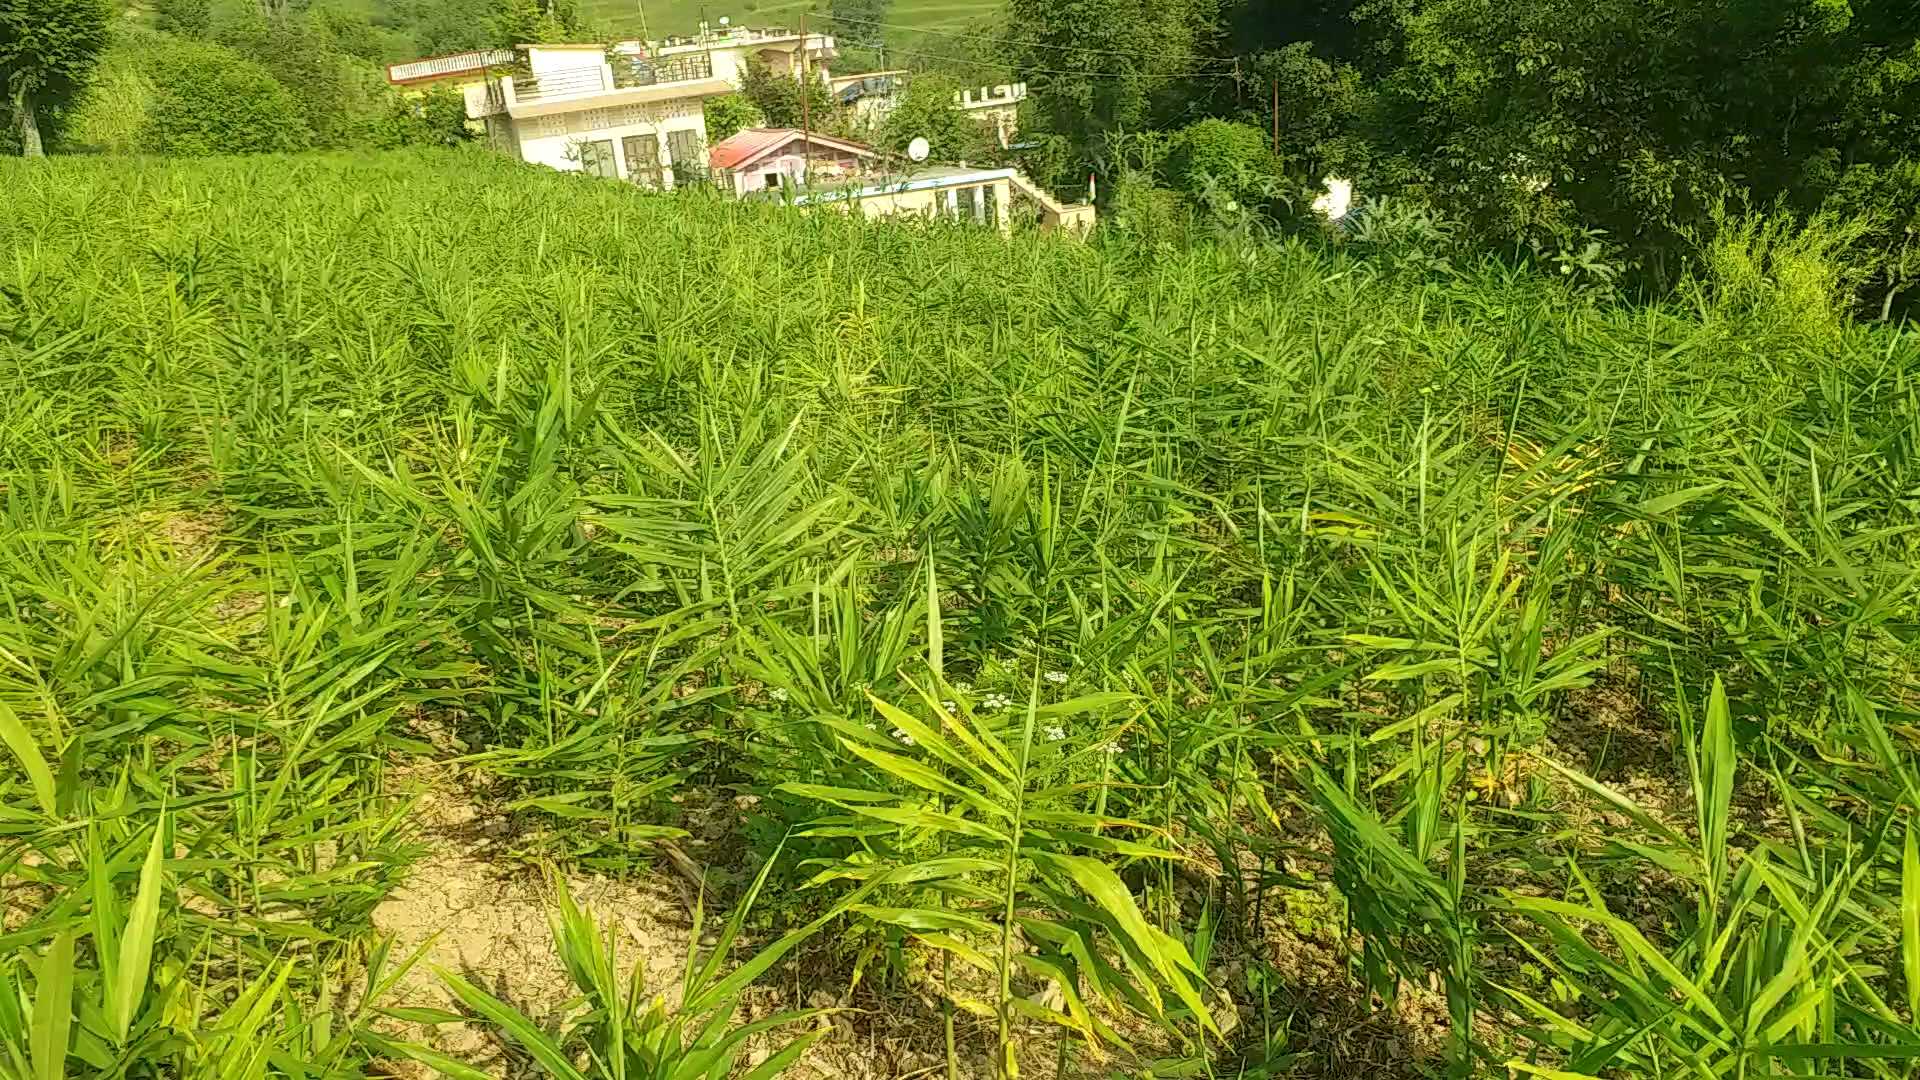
(806,108)
(1276,117)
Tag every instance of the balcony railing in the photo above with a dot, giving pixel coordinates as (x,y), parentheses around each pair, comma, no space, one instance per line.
(652,71)
(559,84)
(455,64)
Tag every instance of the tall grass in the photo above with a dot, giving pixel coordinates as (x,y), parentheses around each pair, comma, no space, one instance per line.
(1112,618)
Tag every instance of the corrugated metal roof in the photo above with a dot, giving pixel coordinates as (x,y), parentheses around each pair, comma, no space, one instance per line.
(742,147)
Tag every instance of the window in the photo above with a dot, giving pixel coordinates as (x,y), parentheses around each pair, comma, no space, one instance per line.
(686,157)
(643,159)
(597,158)
(772,180)
(990,205)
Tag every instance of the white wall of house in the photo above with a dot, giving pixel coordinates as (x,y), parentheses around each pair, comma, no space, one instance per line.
(562,141)
(731,55)
(546,59)
(828,166)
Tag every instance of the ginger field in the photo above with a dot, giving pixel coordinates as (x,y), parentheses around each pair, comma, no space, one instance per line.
(458,619)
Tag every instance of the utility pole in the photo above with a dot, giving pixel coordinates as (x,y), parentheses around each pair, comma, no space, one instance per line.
(1276,117)
(645,41)
(806,108)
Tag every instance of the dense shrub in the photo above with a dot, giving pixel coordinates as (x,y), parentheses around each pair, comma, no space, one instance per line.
(160,93)
(112,114)
(206,99)
(1223,155)
(435,118)
(1148,213)
(729,114)
(342,96)
(926,111)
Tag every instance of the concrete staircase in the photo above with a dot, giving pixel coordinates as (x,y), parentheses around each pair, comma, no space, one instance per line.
(1054,214)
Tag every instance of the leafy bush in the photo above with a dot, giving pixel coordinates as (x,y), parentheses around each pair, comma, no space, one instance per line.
(778,96)
(341,96)
(187,18)
(1777,268)
(112,114)
(925,110)
(206,99)
(1406,235)
(1223,155)
(729,114)
(1151,214)
(437,117)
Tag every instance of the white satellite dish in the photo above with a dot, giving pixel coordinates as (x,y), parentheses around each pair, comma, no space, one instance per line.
(919,148)
(725,21)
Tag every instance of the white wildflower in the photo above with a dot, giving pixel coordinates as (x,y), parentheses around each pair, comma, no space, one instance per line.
(779,694)
(1113,747)
(1055,733)
(948,706)
(1055,677)
(903,736)
(995,702)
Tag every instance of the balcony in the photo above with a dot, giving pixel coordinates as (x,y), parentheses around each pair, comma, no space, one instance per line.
(454,65)
(645,71)
(626,81)
(561,84)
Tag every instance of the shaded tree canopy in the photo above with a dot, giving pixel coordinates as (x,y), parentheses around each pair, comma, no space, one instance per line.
(47,51)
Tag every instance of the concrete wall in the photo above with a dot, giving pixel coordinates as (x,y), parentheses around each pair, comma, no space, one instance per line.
(996,106)
(731,55)
(940,202)
(829,165)
(556,141)
(547,59)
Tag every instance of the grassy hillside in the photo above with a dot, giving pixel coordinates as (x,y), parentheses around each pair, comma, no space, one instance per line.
(683,16)
(1245,657)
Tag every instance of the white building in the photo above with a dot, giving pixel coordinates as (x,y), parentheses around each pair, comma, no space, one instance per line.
(997,107)
(630,110)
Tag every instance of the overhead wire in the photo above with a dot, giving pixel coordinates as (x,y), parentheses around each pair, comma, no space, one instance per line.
(891,51)
(1030,44)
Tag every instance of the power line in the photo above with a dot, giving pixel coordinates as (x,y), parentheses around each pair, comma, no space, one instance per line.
(1062,71)
(1031,44)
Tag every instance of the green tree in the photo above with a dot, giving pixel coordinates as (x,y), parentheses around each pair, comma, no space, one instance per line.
(730,113)
(926,110)
(207,99)
(778,96)
(354,34)
(436,118)
(517,22)
(439,27)
(47,51)
(1641,117)
(1545,122)
(1224,156)
(1100,66)
(342,98)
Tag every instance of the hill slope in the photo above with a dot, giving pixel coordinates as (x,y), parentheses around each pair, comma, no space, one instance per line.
(663,17)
